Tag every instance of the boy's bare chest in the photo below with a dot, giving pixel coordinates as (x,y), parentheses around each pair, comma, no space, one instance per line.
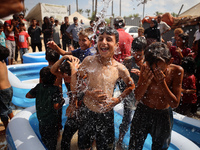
(103,76)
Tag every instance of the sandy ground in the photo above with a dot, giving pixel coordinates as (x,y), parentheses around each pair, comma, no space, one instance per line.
(3,143)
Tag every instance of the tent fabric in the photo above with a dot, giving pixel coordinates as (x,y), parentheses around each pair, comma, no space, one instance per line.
(187,18)
(193,11)
(166,17)
(80,17)
(41,10)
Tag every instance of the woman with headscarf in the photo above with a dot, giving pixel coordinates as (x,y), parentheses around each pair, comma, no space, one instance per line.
(47,30)
(152,33)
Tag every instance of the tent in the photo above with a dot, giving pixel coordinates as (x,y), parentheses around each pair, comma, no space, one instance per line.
(80,17)
(41,10)
(193,11)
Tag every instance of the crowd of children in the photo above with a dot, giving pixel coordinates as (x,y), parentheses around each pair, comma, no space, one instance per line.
(155,79)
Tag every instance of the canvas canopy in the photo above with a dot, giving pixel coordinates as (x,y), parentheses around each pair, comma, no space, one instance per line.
(41,10)
(193,11)
(80,17)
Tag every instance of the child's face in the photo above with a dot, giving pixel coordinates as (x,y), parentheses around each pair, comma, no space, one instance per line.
(152,24)
(195,47)
(106,45)
(179,42)
(84,42)
(71,48)
(140,32)
(138,55)
(21,27)
(1,29)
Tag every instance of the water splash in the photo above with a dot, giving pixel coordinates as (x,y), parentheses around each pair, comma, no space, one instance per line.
(101,18)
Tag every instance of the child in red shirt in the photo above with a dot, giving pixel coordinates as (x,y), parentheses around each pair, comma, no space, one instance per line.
(22,42)
(189,97)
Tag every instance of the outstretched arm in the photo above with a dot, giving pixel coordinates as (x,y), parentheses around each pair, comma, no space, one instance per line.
(53,45)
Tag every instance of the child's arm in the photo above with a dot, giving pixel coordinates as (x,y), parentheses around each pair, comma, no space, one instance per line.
(54,46)
(188,91)
(145,78)
(55,68)
(28,95)
(171,96)
(59,105)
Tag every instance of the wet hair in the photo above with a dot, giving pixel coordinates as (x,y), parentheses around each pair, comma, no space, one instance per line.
(4,52)
(188,65)
(46,76)
(185,39)
(51,55)
(155,52)
(178,30)
(110,31)
(86,32)
(65,67)
(139,44)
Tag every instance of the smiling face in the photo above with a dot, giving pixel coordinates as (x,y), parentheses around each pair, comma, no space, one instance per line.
(84,42)
(106,45)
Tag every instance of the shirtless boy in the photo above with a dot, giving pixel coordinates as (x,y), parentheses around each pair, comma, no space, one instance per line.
(158,91)
(6,91)
(102,73)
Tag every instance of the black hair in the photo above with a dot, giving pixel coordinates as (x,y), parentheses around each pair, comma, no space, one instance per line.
(46,76)
(119,23)
(4,52)
(139,44)
(91,21)
(65,67)
(155,52)
(185,39)
(110,31)
(188,65)
(21,24)
(51,55)
(1,24)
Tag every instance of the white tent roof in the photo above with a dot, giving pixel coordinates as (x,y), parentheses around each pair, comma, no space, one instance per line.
(41,10)
(79,16)
(193,11)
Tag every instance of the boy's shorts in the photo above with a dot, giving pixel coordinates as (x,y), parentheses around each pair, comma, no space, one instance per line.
(5,101)
(23,51)
(99,126)
(11,46)
(158,123)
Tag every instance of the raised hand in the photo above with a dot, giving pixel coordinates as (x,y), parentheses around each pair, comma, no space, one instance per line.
(159,76)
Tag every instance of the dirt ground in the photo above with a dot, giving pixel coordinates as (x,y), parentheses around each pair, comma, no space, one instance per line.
(3,143)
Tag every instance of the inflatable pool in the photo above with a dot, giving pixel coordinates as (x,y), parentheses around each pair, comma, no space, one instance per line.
(23,132)
(24,77)
(35,57)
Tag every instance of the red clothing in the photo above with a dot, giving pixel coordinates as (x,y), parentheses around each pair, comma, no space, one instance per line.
(124,50)
(9,36)
(176,56)
(22,39)
(189,83)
